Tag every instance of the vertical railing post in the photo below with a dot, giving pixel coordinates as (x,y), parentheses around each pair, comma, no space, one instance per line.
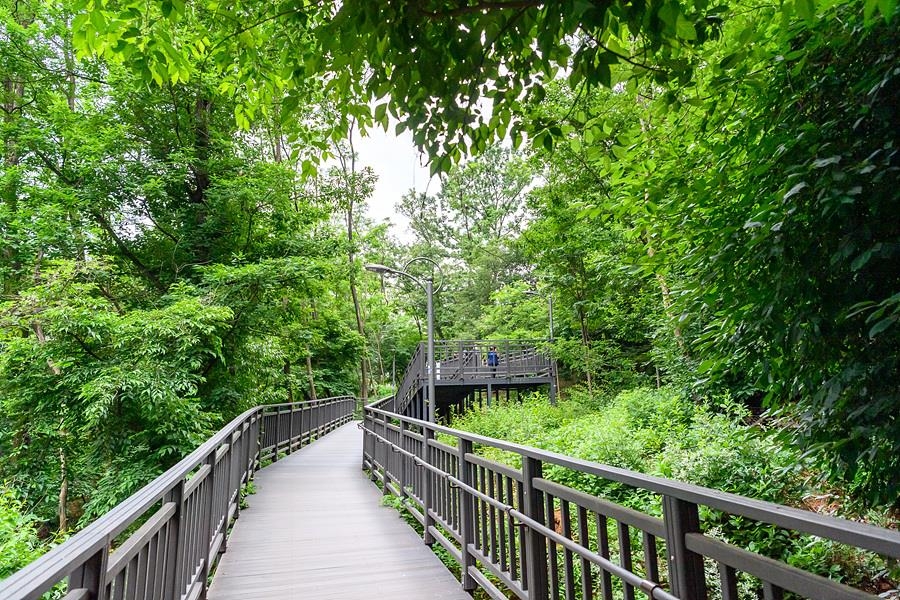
(320,420)
(276,434)
(535,542)
(506,360)
(366,440)
(291,432)
(226,470)
(428,495)
(175,549)
(91,575)
(385,477)
(685,567)
(255,444)
(403,460)
(207,531)
(466,515)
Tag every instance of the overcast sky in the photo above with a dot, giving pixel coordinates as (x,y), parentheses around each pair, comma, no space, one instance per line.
(399,168)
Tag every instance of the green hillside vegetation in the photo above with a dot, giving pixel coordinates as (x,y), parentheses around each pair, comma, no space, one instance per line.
(706,193)
(714,444)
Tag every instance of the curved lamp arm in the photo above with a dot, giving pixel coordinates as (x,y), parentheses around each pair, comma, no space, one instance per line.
(433,263)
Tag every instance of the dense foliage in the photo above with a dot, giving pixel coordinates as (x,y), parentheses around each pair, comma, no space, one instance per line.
(662,432)
(707,200)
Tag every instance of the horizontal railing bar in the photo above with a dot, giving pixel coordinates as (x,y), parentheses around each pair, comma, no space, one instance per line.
(494,466)
(413,510)
(414,436)
(194,591)
(487,586)
(78,594)
(135,543)
(503,576)
(45,572)
(772,571)
(651,588)
(220,451)
(862,535)
(448,546)
(620,513)
(447,526)
(443,447)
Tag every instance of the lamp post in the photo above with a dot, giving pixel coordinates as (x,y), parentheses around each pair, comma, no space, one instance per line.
(428,285)
(549,298)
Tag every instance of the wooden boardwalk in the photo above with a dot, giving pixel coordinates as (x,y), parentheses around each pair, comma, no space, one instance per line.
(316,529)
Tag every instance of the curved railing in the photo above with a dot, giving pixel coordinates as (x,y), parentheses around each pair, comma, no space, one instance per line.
(515,532)
(182,517)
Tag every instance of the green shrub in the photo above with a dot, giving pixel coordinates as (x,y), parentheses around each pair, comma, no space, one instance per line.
(19,544)
(661,432)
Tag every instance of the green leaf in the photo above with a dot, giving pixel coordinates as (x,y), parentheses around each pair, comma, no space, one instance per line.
(869,10)
(795,190)
(880,326)
(887,8)
(806,10)
(685,28)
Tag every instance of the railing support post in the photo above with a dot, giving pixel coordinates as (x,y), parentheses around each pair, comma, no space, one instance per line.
(466,515)
(404,476)
(91,575)
(428,496)
(385,477)
(207,529)
(685,567)
(175,550)
(535,542)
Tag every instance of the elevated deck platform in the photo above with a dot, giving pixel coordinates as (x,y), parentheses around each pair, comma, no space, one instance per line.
(464,375)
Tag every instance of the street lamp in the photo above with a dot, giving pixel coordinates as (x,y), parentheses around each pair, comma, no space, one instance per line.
(550,312)
(428,285)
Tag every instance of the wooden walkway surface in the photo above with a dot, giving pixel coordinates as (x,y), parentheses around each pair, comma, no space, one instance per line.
(316,529)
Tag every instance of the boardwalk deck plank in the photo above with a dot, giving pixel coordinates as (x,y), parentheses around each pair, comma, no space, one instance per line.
(316,529)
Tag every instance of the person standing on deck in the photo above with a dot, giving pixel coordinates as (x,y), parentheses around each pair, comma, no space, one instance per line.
(493,360)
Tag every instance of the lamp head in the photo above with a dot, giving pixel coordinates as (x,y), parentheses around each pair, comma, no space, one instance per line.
(376,268)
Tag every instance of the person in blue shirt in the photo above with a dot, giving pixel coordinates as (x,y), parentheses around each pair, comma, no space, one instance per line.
(493,359)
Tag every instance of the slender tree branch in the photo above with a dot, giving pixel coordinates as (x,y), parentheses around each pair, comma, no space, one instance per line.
(486,6)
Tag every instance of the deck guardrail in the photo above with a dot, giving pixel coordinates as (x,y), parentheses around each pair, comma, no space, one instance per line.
(182,517)
(514,531)
(466,361)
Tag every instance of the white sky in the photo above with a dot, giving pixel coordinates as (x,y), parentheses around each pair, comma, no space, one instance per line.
(399,168)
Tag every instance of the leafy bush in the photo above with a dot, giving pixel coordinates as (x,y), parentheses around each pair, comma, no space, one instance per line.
(19,544)
(661,432)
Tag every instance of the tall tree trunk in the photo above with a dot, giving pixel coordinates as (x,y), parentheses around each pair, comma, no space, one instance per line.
(287,381)
(667,301)
(13,93)
(309,376)
(201,181)
(63,469)
(63,493)
(586,342)
(348,165)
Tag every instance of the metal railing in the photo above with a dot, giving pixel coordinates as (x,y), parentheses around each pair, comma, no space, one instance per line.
(466,360)
(182,517)
(514,532)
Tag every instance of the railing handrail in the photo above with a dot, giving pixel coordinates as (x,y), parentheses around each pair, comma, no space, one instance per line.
(869,537)
(43,573)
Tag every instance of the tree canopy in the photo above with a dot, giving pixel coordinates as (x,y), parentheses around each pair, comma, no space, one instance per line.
(707,197)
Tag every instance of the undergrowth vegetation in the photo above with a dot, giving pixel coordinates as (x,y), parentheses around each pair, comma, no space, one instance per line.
(715,443)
